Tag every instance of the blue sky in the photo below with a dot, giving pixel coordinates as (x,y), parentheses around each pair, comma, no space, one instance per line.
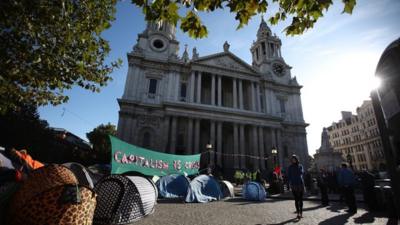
(335,62)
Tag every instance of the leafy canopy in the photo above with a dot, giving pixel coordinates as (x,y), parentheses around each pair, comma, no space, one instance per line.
(47,47)
(303,13)
(98,137)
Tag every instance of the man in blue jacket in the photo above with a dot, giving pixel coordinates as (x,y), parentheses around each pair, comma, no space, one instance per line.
(347,181)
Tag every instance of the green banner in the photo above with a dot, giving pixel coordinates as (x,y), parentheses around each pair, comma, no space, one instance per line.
(127,157)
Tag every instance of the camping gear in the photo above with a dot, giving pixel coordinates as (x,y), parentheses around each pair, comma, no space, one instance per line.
(81,173)
(27,160)
(124,199)
(203,189)
(5,162)
(227,189)
(173,186)
(254,191)
(51,195)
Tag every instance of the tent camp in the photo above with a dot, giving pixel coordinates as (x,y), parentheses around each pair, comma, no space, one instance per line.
(227,189)
(254,191)
(52,195)
(203,189)
(124,199)
(81,173)
(173,186)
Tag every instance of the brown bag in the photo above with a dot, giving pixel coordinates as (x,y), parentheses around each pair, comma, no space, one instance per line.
(51,195)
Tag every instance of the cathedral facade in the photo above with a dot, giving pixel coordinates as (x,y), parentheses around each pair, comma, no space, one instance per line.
(179,104)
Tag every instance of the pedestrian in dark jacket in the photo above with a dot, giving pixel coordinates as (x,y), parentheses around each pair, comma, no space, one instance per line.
(347,181)
(323,187)
(295,178)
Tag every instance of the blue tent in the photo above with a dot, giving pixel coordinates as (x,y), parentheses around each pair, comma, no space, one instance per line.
(173,186)
(254,191)
(204,189)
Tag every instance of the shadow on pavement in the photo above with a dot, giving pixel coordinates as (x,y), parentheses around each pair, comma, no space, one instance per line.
(247,202)
(170,200)
(294,220)
(339,219)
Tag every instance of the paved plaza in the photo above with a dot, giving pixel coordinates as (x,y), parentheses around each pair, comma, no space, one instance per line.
(272,211)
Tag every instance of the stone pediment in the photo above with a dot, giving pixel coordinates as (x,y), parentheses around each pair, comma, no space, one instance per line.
(225,60)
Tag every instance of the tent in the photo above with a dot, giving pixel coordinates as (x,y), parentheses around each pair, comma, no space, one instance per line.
(52,195)
(124,199)
(203,189)
(81,173)
(5,162)
(227,189)
(254,191)
(173,186)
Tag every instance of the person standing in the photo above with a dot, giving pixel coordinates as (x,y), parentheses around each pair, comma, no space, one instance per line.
(295,178)
(323,187)
(347,181)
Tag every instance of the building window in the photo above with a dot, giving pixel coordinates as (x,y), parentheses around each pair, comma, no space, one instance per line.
(257,54)
(282,105)
(182,96)
(263,48)
(285,151)
(146,140)
(153,86)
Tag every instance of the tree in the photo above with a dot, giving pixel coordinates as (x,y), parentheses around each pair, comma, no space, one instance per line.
(23,129)
(98,137)
(47,47)
(304,13)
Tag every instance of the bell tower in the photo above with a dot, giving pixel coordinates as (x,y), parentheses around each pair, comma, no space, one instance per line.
(158,41)
(266,54)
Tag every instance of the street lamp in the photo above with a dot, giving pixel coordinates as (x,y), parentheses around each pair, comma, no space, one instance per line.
(274,152)
(349,160)
(209,148)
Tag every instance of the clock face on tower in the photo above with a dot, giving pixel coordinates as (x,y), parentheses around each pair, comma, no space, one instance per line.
(278,69)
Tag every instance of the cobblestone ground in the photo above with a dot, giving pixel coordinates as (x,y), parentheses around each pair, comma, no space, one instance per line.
(273,211)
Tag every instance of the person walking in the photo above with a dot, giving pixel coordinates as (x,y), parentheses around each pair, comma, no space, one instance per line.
(323,187)
(295,178)
(347,181)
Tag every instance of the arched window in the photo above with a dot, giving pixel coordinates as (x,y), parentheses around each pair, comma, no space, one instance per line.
(146,140)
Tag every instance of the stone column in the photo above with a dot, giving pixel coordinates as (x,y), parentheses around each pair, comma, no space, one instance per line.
(219,90)
(212,142)
(241,145)
(234,93)
(173,135)
(189,146)
(192,80)
(219,143)
(236,146)
(196,136)
(258,97)
(261,147)
(166,132)
(240,94)
(253,98)
(266,105)
(213,89)
(199,87)
(280,147)
(254,146)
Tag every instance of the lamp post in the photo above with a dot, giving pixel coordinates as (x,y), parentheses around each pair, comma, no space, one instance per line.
(209,148)
(274,152)
(349,160)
